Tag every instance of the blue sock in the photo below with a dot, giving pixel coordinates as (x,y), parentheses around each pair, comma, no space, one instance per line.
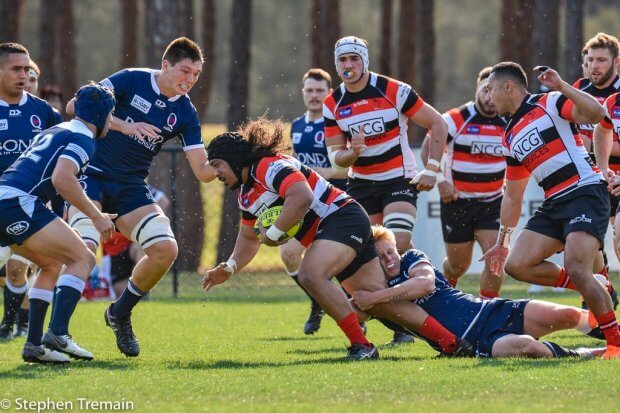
(127,301)
(68,292)
(13,297)
(39,301)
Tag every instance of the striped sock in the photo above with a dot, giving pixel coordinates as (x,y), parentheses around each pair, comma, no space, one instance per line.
(488,294)
(127,301)
(609,327)
(39,301)
(564,281)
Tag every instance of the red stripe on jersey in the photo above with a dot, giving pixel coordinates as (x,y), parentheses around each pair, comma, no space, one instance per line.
(457,118)
(309,236)
(248,222)
(516,173)
(562,185)
(396,162)
(543,154)
(290,179)
(465,186)
(531,116)
(332,131)
(567,110)
(391,90)
(415,108)
(477,158)
(383,138)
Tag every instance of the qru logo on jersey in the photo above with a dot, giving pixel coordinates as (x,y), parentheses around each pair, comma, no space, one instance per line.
(35,121)
(17,228)
(171,121)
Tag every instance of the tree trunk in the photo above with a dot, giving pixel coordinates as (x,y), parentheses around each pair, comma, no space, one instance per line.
(515,40)
(238,87)
(202,90)
(186,19)
(325,31)
(129,18)
(10,19)
(425,36)
(406,42)
(573,40)
(546,36)
(47,42)
(66,62)
(507,32)
(385,57)
(162,19)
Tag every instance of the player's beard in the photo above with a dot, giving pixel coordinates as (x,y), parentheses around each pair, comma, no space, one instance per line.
(606,76)
(485,109)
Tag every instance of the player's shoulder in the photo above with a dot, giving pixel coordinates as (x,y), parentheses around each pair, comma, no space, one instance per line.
(582,83)
(413,256)
(298,122)
(39,103)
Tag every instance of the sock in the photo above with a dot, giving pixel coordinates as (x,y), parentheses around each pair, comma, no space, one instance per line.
(13,297)
(587,321)
(22,317)
(454,282)
(488,294)
(127,301)
(351,328)
(564,281)
(437,333)
(39,301)
(609,327)
(559,351)
(68,293)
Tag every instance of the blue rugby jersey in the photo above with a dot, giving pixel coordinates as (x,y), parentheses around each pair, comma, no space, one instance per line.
(308,139)
(32,171)
(454,309)
(19,123)
(138,99)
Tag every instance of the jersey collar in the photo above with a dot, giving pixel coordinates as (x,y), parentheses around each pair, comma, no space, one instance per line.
(77,126)
(156,88)
(319,120)
(22,101)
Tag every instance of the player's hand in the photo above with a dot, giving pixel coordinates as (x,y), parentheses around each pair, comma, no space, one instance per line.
(215,276)
(424,180)
(447,192)
(496,258)
(610,177)
(264,239)
(616,186)
(358,143)
(550,78)
(105,226)
(141,130)
(364,300)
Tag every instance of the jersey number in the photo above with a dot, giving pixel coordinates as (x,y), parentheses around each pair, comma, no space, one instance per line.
(39,144)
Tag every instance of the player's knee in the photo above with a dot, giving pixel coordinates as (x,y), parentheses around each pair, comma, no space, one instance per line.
(291,259)
(164,252)
(86,229)
(515,270)
(153,229)
(454,269)
(533,348)
(401,225)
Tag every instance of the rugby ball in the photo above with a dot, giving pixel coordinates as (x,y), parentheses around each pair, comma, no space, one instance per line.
(269,216)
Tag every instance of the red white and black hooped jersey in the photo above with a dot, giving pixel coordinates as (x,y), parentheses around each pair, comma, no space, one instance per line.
(600,95)
(269,179)
(542,141)
(612,121)
(474,160)
(380,111)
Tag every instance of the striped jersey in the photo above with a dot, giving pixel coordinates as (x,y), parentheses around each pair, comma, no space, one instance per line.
(380,111)
(272,176)
(474,161)
(542,141)
(600,95)
(612,121)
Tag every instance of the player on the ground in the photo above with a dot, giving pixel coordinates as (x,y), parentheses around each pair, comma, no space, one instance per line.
(152,107)
(471,191)
(48,169)
(22,116)
(366,131)
(541,139)
(495,328)
(335,230)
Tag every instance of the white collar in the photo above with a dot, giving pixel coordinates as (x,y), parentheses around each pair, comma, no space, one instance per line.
(22,101)
(156,88)
(77,126)
(318,120)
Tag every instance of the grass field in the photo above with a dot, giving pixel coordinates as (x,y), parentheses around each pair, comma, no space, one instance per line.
(240,348)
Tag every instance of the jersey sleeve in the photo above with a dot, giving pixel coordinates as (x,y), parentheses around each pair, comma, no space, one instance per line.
(278,174)
(191,135)
(407,100)
(606,122)
(247,219)
(79,150)
(56,117)
(515,171)
(558,104)
(414,257)
(454,120)
(118,83)
(331,126)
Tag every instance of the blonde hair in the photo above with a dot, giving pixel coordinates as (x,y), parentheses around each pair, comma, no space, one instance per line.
(381,233)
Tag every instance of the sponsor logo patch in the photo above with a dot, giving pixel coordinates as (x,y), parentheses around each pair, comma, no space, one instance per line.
(17,228)
(616,112)
(486,148)
(369,127)
(4,124)
(35,121)
(527,144)
(345,112)
(141,104)
(160,104)
(582,218)
(473,129)
(14,113)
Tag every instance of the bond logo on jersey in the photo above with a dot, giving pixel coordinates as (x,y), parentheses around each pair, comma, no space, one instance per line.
(171,121)
(369,127)
(486,148)
(525,146)
(4,124)
(13,113)
(17,228)
(616,113)
(36,123)
(345,112)
(473,129)
(141,104)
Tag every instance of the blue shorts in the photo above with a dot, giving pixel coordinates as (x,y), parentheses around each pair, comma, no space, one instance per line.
(15,224)
(116,196)
(500,317)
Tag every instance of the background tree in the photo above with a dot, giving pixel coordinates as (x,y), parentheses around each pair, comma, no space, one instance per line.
(515,39)
(407,49)
(11,12)
(324,31)
(237,113)
(546,35)
(573,39)
(385,53)
(48,20)
(129,19)
(202,90)
(65,63)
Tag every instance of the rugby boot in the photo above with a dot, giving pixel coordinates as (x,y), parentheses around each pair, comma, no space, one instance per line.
(66,344)
(463,349)
(43,355)
(401,338)
(589,353)
(20,330)
(612,352)
(6,331)
(362,352)
(314,319)
(126,341)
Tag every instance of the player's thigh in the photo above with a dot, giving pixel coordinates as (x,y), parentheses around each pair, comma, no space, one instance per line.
(58,241)
(325,259)
(292,249)
(486,238)
(542,317)
(514,345)
(459,254)
(531,248)
(368,277)
(579,251)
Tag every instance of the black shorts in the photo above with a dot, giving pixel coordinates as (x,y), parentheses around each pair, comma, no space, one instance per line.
(374,196)
(461,218)
(350,226)
(584,209)
(121,266)
(339,183)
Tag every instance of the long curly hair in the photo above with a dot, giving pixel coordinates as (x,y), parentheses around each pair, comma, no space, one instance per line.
(267,137)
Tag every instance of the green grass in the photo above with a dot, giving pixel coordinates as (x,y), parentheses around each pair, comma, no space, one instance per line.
(240,348)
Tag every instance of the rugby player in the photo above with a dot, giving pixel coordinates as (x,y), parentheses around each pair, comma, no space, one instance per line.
(335,231)
(22,116)
(495,328)
(471,185)
(366,131)
(46,170)
(152,108)
(542,140)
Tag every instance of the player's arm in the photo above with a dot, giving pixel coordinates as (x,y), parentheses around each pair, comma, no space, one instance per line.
(245,250)
(199,163)
(332,173)
(603,142)
(339,155)
(67,185)
(428,118)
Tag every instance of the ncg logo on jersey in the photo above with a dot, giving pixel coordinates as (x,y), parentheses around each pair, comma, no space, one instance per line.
(369,127)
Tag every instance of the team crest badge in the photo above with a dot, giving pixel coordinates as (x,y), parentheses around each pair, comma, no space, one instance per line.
(17,228)
(35,121)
